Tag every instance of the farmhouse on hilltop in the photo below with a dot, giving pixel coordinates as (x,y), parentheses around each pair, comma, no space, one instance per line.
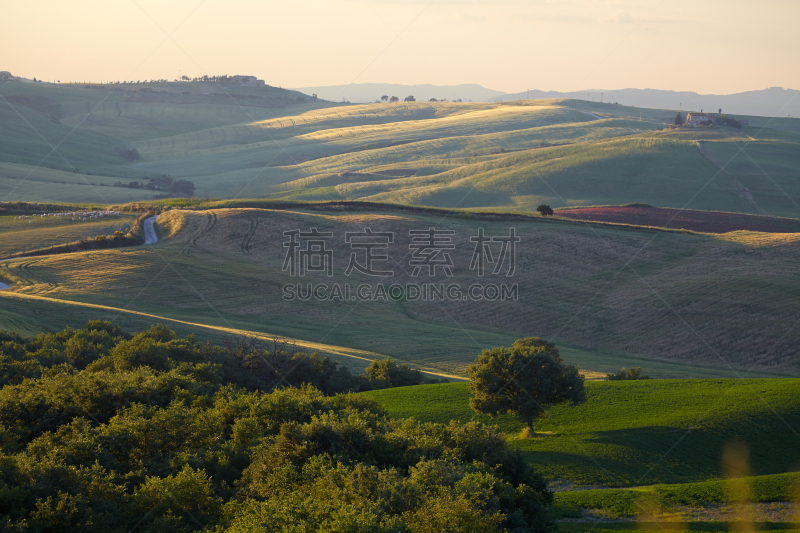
(249,80)
(697,119)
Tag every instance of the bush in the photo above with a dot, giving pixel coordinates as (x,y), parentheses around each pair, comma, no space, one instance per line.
(140,351)
(129,155)
(386,373)
(633,373)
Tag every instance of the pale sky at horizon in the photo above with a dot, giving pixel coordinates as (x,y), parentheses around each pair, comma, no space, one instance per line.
(706,46)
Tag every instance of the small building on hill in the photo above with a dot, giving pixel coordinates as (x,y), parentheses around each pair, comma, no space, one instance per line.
(699,119)
(247,80)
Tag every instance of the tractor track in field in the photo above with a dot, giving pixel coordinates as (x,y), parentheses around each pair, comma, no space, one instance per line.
(24,272)
(743,191)
(249,235)
(211,222)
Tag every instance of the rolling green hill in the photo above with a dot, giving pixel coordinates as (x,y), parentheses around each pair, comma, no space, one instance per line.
(632,433)
(266,142)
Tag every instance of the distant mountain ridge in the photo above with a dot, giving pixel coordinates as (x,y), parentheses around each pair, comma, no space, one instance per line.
(369,92)
(771,102)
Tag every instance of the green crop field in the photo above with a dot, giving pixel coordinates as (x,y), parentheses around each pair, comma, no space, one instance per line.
(634,502)
(640,432)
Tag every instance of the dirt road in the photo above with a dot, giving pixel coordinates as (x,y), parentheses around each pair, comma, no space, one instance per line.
(150,236)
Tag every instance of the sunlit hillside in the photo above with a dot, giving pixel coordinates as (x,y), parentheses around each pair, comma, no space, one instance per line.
(233,142)
(610,297)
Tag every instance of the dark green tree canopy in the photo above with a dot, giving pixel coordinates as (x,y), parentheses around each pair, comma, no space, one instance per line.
(108,431)
(545,210)
(524,379)
(387,373)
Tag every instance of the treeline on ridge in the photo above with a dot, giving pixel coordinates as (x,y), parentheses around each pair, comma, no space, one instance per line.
(244,361)
(106,431)
(163,183)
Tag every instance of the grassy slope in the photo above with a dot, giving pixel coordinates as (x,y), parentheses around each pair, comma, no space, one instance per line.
(20,182)
(768,168)
(656,170)
(638,433)
(34,233)
(225,269)
(88,126)
(262,142)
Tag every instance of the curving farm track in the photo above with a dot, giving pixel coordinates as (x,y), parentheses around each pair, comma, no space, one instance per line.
(150,236)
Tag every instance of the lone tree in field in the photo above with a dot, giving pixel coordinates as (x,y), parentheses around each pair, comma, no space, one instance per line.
(678,119)
(545,210)
(524,379)
(409,98)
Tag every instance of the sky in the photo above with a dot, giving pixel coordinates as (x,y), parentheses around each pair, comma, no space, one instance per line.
(706,46)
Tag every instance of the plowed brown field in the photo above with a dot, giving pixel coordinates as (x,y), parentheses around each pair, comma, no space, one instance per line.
(702,221)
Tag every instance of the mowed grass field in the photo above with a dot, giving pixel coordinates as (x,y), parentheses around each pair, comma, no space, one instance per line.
(22,234)
(237,141)
(680,305)
(637,433)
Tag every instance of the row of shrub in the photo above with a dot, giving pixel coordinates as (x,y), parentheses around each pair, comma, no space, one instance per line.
(619,503)
(106,431)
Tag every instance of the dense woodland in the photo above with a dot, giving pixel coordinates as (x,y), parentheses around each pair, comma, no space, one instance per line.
(107,431)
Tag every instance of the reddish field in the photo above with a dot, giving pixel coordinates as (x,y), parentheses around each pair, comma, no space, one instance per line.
(702,221)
